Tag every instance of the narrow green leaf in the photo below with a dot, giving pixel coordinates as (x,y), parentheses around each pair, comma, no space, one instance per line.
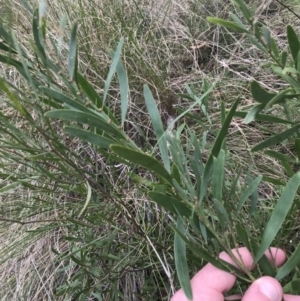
(224,129)
(290,70)
(124,90)
(251,115)
(73,53)
(294,43)
(200,100)
(295,286)
(281,97)
(246,194)
(279,214)
(37,34)
(14,99)
(288,168)
(276,139)
(260,94)
(227,24)
(175,173)
(297,146)
(204,255)
(273,181)
(112,68)
(283,58)
(12,62)
(170,204)
(7,48)
(242,6)
(264,263)
(86,118)
(90,137)
(280,156)
(274,48)
(64,99)
(216,149)
(142,159)
(263,117)
(290,264)
(218,176)
(234,184)
(243,236)
(157,126)
(267,35)
(181,261)
(94,96)
(27,6)
(221,213)
(237,20)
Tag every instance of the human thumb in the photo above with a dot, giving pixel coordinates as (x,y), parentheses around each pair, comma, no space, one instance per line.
(264,289)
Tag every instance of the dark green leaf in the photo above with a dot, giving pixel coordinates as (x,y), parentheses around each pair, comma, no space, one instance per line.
(89,137)
(283,58)
(94,96)
(181,261)
(73,53)
(204,255)
(221,213)
(170,204)
(281,97)
(142,159)
(274,48)
(86,118)
(280,156)
(216,149)
(241,5)
(273,181)
(37,35)
(124,90)
(293,40)
(175,173)
(279,214)
(112,69)
(14,99)
(218,176)
(260,94)
(267,35)
(263,117)
(251,115)
(227,24)
(64,99)
(157,126)
(246,194)
(290,265)
(297,146)
(264,264)
(276,138)
(243,236)
(288,168)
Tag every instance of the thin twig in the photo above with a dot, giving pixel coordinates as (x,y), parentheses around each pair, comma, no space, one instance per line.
(288,8)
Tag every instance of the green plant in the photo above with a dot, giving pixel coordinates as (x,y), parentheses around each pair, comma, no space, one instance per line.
(287,68)
(207,212)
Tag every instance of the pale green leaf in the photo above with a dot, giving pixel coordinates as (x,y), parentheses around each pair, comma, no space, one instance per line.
(279,214)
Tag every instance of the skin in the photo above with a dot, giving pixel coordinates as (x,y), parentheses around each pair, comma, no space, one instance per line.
(210,283)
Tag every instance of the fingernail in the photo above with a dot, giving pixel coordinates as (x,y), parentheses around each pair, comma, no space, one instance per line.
(270,290)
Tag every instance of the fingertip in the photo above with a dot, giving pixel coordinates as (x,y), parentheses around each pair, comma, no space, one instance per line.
(264,289)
